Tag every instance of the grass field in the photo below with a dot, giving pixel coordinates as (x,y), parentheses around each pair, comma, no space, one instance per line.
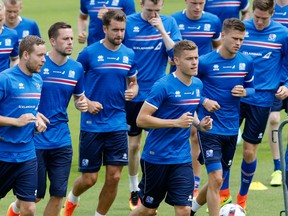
(261,203)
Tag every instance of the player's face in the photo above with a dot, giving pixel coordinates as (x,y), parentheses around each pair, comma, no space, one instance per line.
(261,19)
(195,8)
(63,44)
(2,18)
(12,13)
(187,62)
(232,41)
(115,32)
(150,10)
(36,59)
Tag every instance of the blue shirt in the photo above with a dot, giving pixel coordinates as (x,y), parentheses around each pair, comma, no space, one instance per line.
(8,47)
(226,8)
(59,83)
(219,76)
(19,94)
(150,51)
(91,8)
(171,98)
(267,48)
(106,73)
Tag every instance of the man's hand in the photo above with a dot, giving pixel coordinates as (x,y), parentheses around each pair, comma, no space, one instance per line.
(131,92)
(210,105)
(41,123)
(238,91)
(185,120)
(282,93)
(206,123)
(81,103)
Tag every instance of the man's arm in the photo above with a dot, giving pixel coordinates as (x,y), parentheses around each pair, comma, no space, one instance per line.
(23,120)
(133,88)
(82,26)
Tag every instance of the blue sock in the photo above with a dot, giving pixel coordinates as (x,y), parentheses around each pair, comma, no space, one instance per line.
(247,173)
(197,181)
(226,176)
(277,164)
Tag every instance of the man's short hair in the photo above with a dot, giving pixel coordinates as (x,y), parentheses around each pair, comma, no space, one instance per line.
(53,30)
(117,15)
(27,44)
(264,5)
(233,24)
(182,45)
(154,1)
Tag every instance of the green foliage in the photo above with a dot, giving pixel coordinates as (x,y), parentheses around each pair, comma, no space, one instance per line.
(261,203)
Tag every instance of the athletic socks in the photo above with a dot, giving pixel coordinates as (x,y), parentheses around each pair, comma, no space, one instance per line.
(247,173)
(72,198)
(133,183)
(277,164)
(197,182)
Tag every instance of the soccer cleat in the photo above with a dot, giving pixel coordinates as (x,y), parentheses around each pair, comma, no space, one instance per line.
(276,178)
(192,213)
(68,208)
(10,211)
(242,201)
(134,200)
(223,201)
(195,193)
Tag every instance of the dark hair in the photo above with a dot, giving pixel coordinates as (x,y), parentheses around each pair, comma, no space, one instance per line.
(183,45)
(53,30)
(154,1)
(233,24)
(117,15)
(27,44)
(264,5)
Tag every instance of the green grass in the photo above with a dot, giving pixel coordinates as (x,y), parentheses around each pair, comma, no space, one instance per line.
(261,203)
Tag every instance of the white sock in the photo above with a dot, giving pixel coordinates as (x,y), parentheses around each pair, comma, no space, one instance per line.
(133,183)
(15,209)
(195,206)
(72,198)
(98,214)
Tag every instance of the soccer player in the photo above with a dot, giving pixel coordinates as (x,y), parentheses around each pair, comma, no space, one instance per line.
(20,90)
(266,42)
(204,29)
(228,8)
(9,43)
(94,10)
(108,66)
(168,112)
(62,78)
(280,15)
(227,75)
(13,20)
(152,37)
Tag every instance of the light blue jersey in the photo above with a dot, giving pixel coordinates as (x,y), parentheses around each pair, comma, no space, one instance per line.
(226,8)
(151,55)
(106,74)
(172,99)
(19,94)
(59,84)
(219,76)
(267,48)
(26,27)
(8,47)
(92,7)
(202,31)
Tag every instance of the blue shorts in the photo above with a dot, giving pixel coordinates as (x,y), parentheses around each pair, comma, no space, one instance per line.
(278,105)
(217,149)
(175,182)
(21,177)
(256,118)
(111,147)
(132,111)
(56,163)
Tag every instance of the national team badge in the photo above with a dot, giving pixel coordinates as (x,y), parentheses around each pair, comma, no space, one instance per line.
(272,37)
(242,66)
(207,27)
(71,74)
(7,42)
(125,59)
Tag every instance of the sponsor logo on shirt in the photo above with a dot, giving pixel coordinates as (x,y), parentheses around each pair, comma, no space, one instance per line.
(136,29)
(216,67)
(92,2)
(46,71)
(267,55)
(100,58)
(21,86)
(177,94)
(181,27)
(158,47)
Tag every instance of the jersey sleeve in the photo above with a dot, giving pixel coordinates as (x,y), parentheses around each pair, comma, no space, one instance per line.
(244,5)
(79,88)
(157,95)
(83,8)
(4,85)
(129,7)
(218,29)
(83,58)
(15,51)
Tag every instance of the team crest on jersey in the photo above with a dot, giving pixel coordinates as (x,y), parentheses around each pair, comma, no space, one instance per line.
(242,66)
(177,94)
(181,27)
(125,59)
(25,33)
(100,58)
(272,37)
(92,2)
(46,71)
(71,74)
(115,3)
(21,86)
(38,87)
(207,27)
(136,29)
(197,93)
(216,67)
(7,42)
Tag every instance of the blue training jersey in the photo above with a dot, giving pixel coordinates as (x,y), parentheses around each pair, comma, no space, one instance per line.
(267,48)
(19,94)
(59,84)
(171,98)
(105,81)
(226,8)
(26,27)
(150,51)
(91,8)
(8,47)
(219,76)
(202,31)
